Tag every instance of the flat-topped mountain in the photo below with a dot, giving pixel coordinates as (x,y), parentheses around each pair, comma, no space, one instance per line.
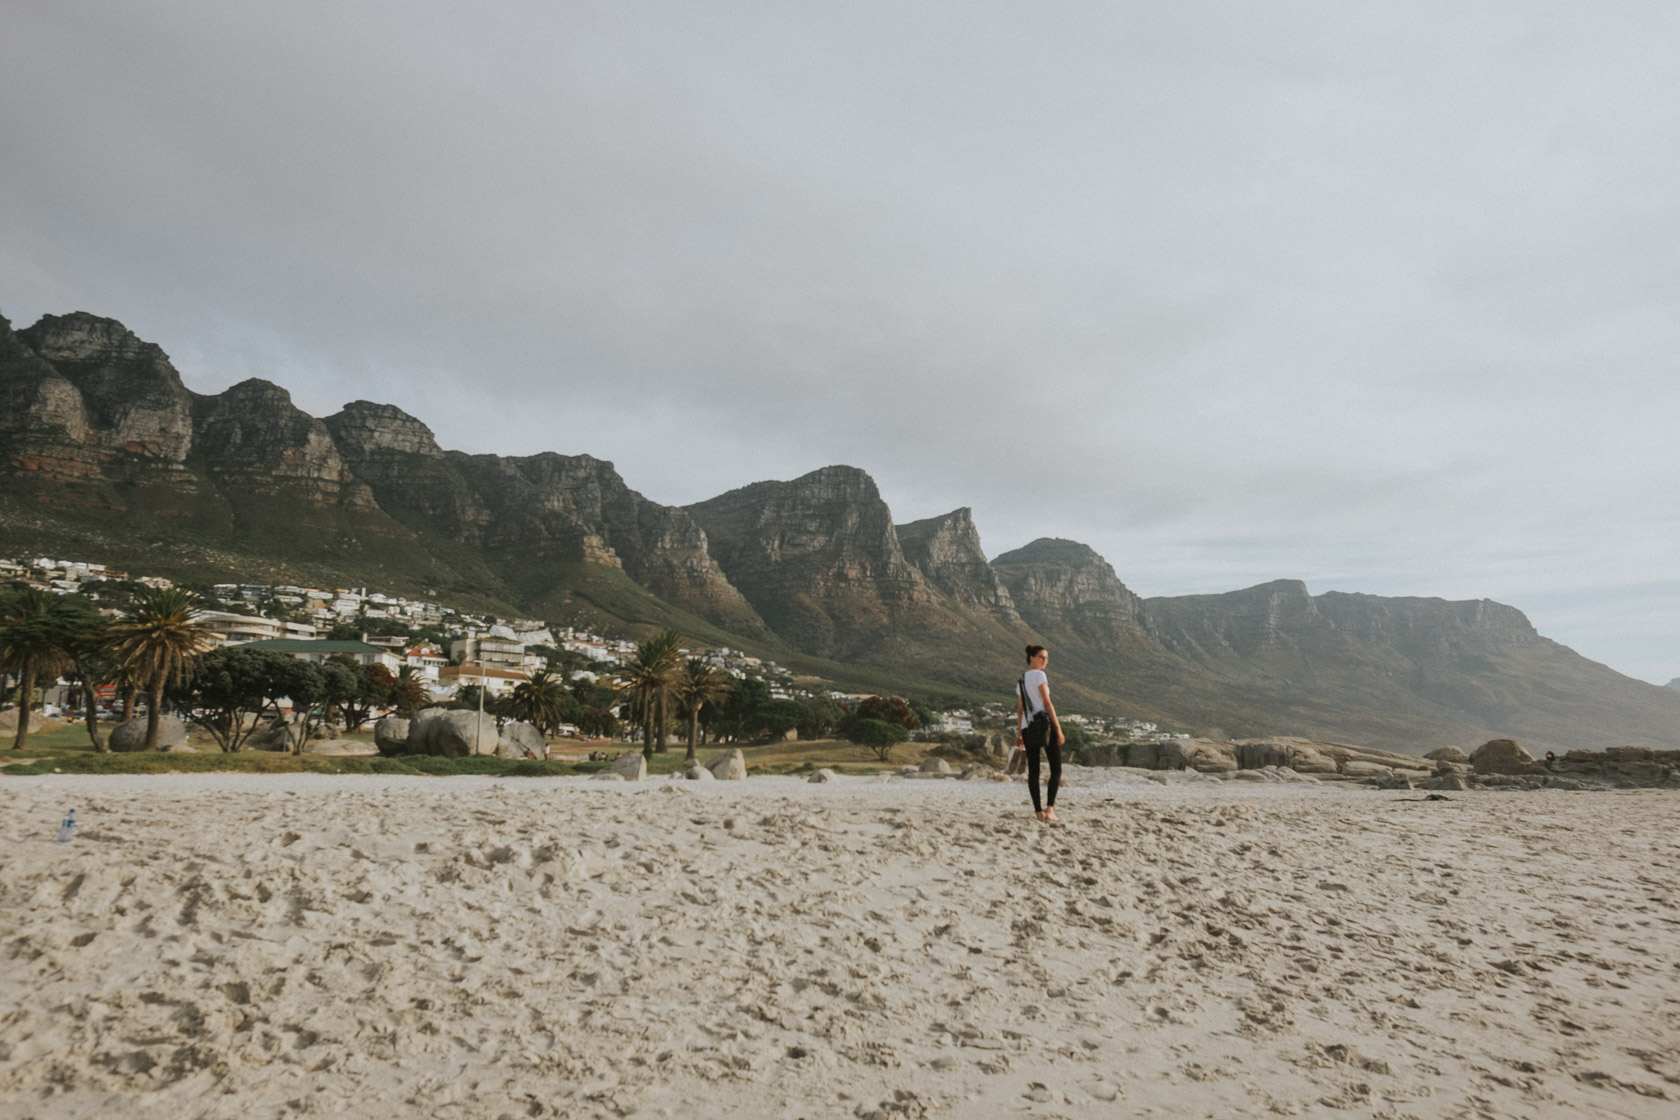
(105,454)
(1383,669)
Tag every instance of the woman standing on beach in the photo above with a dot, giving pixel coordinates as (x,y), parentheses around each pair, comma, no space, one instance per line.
(1037,726)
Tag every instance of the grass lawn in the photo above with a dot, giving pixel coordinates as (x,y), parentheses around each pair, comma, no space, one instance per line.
(64,748)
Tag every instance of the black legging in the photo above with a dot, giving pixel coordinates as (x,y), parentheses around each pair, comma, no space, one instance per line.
(1053,750)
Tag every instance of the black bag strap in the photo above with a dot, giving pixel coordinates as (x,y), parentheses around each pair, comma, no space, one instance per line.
(1026,705)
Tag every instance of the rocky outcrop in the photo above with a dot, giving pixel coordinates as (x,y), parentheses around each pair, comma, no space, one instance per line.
(522,740)
(946,549)
(83,401)
(1062,587)
(131,736)
(453,734)
(390,735)
(252,438)
(367,433)
(1501,756)
(132,397)
(583,505)
(817,557)
(631,766)
(730,766)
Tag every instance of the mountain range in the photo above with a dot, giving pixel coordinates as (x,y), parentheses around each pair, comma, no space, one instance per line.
(107,455)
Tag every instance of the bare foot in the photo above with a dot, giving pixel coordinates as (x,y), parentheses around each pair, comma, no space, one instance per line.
(1049,815)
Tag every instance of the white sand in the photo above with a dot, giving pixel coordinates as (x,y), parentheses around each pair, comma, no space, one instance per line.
(253,947)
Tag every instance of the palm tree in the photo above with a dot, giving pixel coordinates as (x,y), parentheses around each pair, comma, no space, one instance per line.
(39,633)
(93,664)
(540,701)
(161,641)
(700,684)
(650,676)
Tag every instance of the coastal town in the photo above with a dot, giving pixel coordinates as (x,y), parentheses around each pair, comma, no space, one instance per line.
(450,650)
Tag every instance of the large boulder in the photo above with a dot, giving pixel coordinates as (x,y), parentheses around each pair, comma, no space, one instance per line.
(1209,756)
(698,773)
(523,740)
(631,766)
(1500,756)
(936,766)
(131,736)
(1447,754)
(1144,756)
(9,722)
(1256,754)
(1309,759)
(340,748)
(1104,754)
(390,735)
(282,734)
(731,766)
(452,734)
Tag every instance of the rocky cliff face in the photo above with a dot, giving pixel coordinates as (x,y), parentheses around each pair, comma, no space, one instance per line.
(132,397)
(85,403)
(367,433)
(660,547)
(1062,587)
(946,549)
(251,437)
(411,477)
(817,557)
(537,508)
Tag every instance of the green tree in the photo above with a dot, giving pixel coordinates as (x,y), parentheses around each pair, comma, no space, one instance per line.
(888,709)
(341,685)
(94,664)
(305,682)
(778,717)
(823,716)
(700,684)
(541,701)
(161,641)
(39,636)
(649,678)
(740,710)
(878,735)
(408,694)
(231,689)
(373,690)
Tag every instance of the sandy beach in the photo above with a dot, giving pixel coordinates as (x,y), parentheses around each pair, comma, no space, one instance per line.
(266,946)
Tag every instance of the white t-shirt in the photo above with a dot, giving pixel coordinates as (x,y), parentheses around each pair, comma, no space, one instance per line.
(1035,702)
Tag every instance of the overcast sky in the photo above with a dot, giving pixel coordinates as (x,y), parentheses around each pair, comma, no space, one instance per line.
(1381,297)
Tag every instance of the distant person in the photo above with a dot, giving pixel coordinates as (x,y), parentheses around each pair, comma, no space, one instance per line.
(1551,757)
(1037,727)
